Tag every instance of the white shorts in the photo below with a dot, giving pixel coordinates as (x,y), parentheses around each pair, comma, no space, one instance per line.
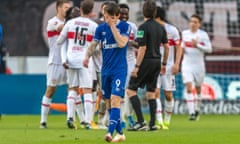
(166,82)
(193,76)
(131,65)
(56,75)
(79,78)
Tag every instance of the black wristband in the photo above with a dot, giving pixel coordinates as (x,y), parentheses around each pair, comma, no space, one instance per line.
(164,64)
(137,66)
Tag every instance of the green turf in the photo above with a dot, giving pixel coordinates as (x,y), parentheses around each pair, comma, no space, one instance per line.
(211,129)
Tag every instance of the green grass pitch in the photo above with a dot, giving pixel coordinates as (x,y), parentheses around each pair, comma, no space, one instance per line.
(211,129)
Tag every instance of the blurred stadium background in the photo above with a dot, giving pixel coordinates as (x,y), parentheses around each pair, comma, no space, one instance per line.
(24,23)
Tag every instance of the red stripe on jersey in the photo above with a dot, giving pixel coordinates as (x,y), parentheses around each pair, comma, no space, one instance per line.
(53,33)
(131,37)
(171,42)
(89,37)
(188,44)
(71,35)
(202,43)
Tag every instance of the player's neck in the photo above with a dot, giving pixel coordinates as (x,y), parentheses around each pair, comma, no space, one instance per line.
(59,16)
(85,16)
(193,30)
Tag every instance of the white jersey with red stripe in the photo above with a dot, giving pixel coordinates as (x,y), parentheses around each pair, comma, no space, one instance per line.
(79,33)
(193,58)
(130,51)
(54,56)
(173,38)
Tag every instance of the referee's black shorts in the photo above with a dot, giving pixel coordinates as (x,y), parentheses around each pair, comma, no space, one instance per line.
(147,75)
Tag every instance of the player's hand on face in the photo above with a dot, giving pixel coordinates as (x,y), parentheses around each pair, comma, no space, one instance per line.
(134,72)
(175,69)
(85,62)
(163,70)
(65,65)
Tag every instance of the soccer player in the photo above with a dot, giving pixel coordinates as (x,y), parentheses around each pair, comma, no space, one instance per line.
(167,80)
(149,37)
(195,43)
(114,35)
(126,107)
(55,73)
(78,32)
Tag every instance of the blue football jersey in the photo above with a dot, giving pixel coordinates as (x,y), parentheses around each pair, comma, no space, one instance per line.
(114,58)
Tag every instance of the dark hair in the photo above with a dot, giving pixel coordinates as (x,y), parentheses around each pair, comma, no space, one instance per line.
(197,17)
(124,6)
(87,6)
(113,9)
(161,13)
(61,2)
(72,12)
(149,9)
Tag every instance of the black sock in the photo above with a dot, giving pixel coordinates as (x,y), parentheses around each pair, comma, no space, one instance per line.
(137,108)
(153,106)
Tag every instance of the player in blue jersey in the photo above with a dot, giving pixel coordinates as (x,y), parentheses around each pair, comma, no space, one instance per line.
(114,36)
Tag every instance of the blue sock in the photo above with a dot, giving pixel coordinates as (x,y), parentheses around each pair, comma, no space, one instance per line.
(130,121)
(114,120)
(119,127)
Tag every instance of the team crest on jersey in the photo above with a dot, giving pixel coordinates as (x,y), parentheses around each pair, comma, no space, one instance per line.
(103,33)
(140,34)
(55,23)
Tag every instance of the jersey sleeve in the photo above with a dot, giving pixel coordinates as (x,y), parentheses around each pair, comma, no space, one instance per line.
(205,44)
(134,29)
(53,25)
(141,36)
(63,35)
(125,30)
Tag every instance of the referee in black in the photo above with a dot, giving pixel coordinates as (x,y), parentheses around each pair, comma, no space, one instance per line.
(150,36)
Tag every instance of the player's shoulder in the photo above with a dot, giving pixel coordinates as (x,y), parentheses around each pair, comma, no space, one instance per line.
(186,31)
(123,24)
(171,27)
(133,25)
(202,32)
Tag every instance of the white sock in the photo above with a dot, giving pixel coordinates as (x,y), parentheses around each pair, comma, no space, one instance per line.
(168,108)
(94,96)
(106,118)
(122,112)
(128,106)
(190,103)
(88,106)
(159,111)
(79,108)
(45,108)
(71,103)
(198,102)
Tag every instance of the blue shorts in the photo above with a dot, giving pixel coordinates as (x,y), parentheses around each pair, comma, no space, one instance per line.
(114,84)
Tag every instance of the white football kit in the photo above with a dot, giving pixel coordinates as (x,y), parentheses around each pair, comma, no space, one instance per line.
(131,57)
(193,66)
(167,81)
(56,74)
(79,33)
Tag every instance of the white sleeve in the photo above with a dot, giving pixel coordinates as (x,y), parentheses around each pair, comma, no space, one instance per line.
(63,35)
(64,52)
(205,44)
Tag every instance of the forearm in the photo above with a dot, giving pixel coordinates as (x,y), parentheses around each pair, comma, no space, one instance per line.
(121,40)
(91,48)
(140,56)
(179,52)
(205,48)
(165,54)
